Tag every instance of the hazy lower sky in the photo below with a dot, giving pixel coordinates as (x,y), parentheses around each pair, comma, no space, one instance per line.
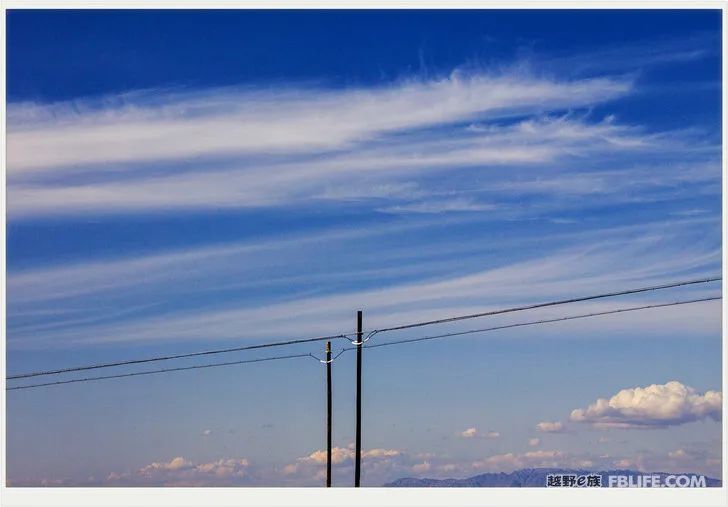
(187,180)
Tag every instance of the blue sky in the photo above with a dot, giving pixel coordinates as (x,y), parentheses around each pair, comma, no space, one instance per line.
(181,181)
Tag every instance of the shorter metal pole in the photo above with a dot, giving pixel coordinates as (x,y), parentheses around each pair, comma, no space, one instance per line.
(329,414)
(357,463)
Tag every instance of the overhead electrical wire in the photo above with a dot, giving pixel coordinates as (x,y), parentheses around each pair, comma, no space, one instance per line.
(151,372)
(371,333)
(176,356)
(547,304)
(385,344)
(536,322)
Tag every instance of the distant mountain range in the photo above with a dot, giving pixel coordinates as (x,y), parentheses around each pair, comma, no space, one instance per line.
(526,478)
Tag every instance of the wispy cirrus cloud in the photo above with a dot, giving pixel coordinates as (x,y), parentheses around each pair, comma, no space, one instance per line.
(270,182)
(399,170)
(420,146)
(635,56)
(253,148)
(262,121)
(440,206)
(626,259)
(497,146)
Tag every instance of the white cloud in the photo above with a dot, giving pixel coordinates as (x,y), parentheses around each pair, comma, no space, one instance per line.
(378,465)
(225,467)
(550,427)
(508,462)
(267,182)
(533,442)
(469,433)
(177,463)
(207,433)
(475,433)
(383,465)
(677,454)
(183,472)
(217,122)
(654,406)
(440,206)
(380,453)
(388,464)
(250,149)
(341,455)
(124,284)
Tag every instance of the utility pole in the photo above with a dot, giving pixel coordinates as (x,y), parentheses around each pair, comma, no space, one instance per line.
(328,422)
(357,469)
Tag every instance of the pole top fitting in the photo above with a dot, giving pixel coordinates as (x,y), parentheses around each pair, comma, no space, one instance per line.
(328,346)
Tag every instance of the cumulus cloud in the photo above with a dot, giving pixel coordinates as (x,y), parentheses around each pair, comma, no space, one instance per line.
(550,427)
(533,442)
(378,465)
(654,406)
(380,453)
(677,454)
(381,465)
(651,462)
(183,472)
(177,463)
(469,433)
(475,433)
(706,461)
(347,454)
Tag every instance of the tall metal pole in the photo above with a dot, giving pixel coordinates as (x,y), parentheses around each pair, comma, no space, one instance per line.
(328,418)
(357,469)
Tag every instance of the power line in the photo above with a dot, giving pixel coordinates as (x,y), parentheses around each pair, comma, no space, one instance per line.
(536,322)
(151,372)
(376,331)
(176,356)
(543,305)
(398,342)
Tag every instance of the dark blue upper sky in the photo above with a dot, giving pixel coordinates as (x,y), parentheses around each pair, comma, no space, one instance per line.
(58,55)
